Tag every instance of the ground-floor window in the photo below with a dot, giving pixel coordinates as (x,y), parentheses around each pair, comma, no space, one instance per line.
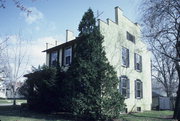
(138,89)
(124,86)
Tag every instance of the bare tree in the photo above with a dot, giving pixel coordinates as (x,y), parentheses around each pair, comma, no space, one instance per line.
(18,4)
(16,60)
(164,74)
(3,47)
(161,20)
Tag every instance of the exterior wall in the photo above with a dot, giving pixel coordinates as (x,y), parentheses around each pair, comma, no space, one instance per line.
(60,57)
(2,93)
(2,90)
(155,102)
(47,58)
(114,38)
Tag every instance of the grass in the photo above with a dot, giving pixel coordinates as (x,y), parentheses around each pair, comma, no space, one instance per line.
(5,101)
(10,101)
(11,113)
(149,116)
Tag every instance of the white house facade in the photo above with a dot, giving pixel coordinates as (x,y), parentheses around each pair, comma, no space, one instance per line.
(125,51)
(131,59)
(2,90)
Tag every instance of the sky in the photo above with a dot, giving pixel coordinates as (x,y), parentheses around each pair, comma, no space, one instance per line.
(49,20)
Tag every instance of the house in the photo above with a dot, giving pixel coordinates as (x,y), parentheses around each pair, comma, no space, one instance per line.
(10,92)
(6,90)
(125,51)
(2,90)
(160,102)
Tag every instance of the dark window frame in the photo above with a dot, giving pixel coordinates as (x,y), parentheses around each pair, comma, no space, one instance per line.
(50,58)
(137,65)
(126,88)
(130,37)
(126,56)
(67,56)
(138,89)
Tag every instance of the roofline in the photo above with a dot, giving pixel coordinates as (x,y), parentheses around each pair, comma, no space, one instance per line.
(61,45)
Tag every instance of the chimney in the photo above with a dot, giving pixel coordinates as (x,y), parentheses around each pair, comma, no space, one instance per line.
(118,14)
(69,35)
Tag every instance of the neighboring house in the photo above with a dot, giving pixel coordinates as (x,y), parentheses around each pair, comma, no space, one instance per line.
(160,102)
(10,93)
(6,90)
(125,51)
(2,90)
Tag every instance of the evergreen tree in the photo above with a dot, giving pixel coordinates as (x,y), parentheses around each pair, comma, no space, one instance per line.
(41,89)
(94,81)
(63,89)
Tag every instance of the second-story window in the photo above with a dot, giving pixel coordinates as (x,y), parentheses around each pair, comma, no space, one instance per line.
(124,86)
(67,56)
(125,57)
(54,58)
(137,62)
(130,37)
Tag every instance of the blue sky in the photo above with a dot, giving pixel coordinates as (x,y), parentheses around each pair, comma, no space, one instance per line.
(58,15)
(50,18)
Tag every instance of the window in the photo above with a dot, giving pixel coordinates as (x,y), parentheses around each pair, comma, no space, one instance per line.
(139,109)
(67,56)
(137,62)
(130,37)
(138,89)
(125,57)
(54,58)
(124,86)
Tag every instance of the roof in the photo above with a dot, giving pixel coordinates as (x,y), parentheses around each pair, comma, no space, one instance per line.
(155,94)
(1,79)
(61,45)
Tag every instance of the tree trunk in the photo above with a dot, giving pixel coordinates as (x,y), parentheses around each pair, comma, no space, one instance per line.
(14,98)
(177,104)
(14,101)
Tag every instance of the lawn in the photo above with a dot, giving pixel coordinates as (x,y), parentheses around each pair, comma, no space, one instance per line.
(11,113)
(5,101)
(10,101)
(149,116)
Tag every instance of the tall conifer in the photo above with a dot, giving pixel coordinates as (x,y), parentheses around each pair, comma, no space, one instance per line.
(94,81)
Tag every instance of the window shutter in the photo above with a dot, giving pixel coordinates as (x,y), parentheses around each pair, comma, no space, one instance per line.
(120,86)
(135,61)
(49,59)
(135,88)
(70,55)
(128,88)
(141,63)
(127,58)
(58,58)
(141,90)
(127,35)
(133,37)
(63,56)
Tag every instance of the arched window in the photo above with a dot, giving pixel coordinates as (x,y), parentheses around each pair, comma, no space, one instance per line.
(124,86)
(138,89)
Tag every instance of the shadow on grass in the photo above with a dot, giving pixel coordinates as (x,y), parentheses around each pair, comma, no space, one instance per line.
(152,117)
(19,112)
